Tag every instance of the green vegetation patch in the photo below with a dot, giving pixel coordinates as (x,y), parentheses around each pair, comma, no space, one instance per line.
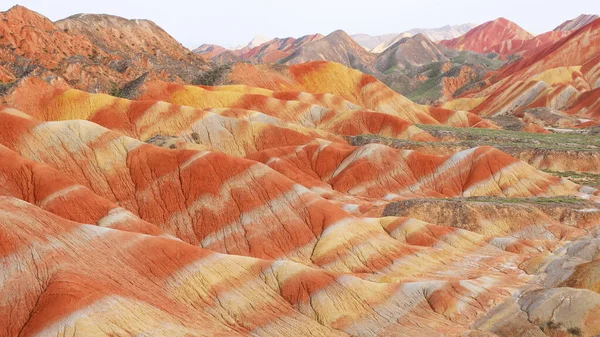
(534,200)
(581,178)
(428,92)
(470,137)
(214,76)
(6,87)
(505,140)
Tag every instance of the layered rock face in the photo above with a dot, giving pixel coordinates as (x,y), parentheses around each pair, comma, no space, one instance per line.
(247,213)
(489,37)
(278,49)
(578,22)
(561,80)
(97,53)
(300,200)
(415,51)
(335,47)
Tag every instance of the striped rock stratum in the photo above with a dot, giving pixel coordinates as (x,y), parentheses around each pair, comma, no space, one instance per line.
(300,199)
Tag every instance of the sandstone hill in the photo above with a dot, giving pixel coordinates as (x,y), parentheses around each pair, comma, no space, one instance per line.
(300,199)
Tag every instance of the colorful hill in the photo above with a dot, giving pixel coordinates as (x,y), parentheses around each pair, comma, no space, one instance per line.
(562,76)
(489,37)
(30,35)
(414,66)
(295,212)
(513,40)
(578,22)
(351,85)
(306,199)
(131,37)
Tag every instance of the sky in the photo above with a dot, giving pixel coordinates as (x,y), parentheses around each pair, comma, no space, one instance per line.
(232,23)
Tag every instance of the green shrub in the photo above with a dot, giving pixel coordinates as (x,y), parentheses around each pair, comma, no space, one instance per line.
(214,76)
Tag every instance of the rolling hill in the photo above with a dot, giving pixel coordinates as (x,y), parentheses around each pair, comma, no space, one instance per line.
(301,198)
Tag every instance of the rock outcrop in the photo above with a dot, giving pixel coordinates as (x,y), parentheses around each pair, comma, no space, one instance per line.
(98,53)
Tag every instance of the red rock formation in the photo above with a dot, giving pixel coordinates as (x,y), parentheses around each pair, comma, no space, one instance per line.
(451,84)
(33,36)
(91,52)
(290,218)
(244,210)
(209,51)
(489,37)
(561,76)
(575,24)
(127,37)
(354,86)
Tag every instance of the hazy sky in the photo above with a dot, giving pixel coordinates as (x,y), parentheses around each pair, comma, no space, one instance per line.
(234,22)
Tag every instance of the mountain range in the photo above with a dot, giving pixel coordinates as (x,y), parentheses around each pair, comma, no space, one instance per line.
(413,63)
(290,188)
(435,35)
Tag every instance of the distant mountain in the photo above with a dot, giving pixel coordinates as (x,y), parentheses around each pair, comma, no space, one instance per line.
(277,49)
(335,47)
(208,51)
(553,78)
(255,42)
(258,40)
(228,56)
(371,41)
(510,47)
(489,36)
(268,52)
(434,34)
(506,38)
(410,51)
(444,33)
(576,23)
(427,72)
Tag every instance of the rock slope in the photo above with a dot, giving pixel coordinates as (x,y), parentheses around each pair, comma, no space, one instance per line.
(335,47)
(251,208)
(91,52)
(578,22)
(563,77)
(489,37)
